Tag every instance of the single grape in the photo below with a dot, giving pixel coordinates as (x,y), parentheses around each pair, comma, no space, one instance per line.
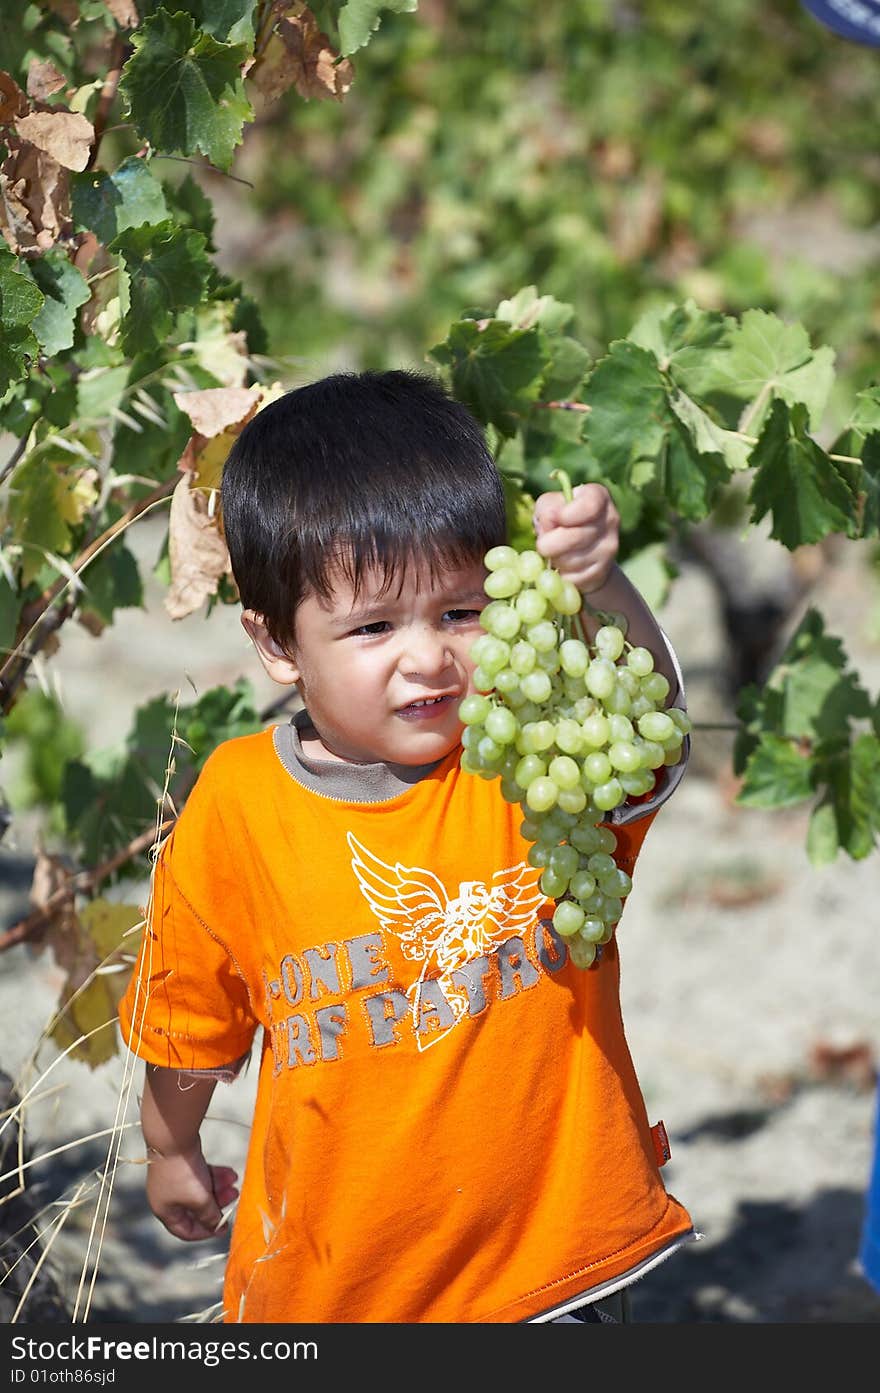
(489,751)
(530,565)
(593,930)
(568,736)
(609,642)
(530,829)
(568,918)
(538,855)
(618,701)
(564,772)
(596,730)
(553,883)
(568,601)
(483,681)
(543,635)
(586,839)
(583,885)
(541,793)
(530,767)
(536,686)
(655,687)
(607,840)
(490,653)
(501,620)
(474,709)
(503,583)
(572,800)
(600,678)
(656,725)
(506,682)
(620,728)
(565,860)
(634,785)
(581,951)
(531,606)
(502,725)
(616,883)
(608,795)
(550,584)
(624,756)
(597,767)
(522,657)
(501,556)
(640,661)
(681,719)
(574,657)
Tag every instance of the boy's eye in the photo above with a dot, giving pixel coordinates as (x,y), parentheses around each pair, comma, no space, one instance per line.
(378,626)
(462,616)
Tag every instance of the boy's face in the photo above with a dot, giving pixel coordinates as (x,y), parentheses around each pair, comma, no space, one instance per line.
(382,674)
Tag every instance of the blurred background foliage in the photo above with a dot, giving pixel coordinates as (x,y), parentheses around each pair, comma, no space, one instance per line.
(616,154)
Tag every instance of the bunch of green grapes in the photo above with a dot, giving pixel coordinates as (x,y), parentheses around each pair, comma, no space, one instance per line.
(572,727)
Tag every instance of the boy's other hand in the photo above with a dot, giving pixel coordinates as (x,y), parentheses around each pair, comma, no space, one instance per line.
(188,1195)
(580,538)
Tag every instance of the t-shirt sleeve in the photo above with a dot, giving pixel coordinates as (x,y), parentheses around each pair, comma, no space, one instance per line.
(187,1004)
(668,776)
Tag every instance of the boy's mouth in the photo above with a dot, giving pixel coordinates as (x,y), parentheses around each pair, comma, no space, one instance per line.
(425,708)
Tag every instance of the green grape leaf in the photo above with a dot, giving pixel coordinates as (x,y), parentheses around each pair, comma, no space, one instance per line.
(569,362)
(809,695)
(229,21)
(528,308)
(106,803)
(777,775)
(359,20)
(168,270)
(64,289)
(48,739)
(683,339)
(10,607)
(847,816)
(638,439)
(192,208)
(823,842)
(99,391)
(495,370)
(797,483)
(112,582)
(871,486)
(709,438)
(651,572)
(109,203)
(20,303)
(767,360)
(184,90)
(47,499)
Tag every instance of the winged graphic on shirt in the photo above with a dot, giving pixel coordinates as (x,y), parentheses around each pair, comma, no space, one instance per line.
(440,931)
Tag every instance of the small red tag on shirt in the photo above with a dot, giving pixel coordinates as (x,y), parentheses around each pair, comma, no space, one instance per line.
(662,1150)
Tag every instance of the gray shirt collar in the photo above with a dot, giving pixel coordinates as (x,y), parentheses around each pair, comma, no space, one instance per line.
(345,782)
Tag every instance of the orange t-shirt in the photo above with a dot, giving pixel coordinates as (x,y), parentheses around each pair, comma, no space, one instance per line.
(448,1125)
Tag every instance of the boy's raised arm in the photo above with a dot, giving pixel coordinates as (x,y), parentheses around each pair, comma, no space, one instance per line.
(184,1192)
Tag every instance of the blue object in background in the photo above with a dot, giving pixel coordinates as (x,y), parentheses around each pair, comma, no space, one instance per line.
(869,1254)
(858,20)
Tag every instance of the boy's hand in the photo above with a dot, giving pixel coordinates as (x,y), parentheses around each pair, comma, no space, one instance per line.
(188,1196)
(580,538)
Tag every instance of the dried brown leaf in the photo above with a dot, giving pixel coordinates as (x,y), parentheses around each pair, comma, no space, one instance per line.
(124,12)
(44,80)
(51,876)
(34,197)
(197,550)
(64,135)
(13,101)
(217,408)
(299,54)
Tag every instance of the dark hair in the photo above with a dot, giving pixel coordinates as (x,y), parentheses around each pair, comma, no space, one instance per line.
(352,472)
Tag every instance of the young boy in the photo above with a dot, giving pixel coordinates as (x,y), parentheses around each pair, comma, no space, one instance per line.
(447,1126)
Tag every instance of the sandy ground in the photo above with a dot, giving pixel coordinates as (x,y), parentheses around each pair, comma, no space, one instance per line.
(749,979)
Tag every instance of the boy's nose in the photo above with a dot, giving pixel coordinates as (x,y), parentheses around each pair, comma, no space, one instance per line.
(425,653)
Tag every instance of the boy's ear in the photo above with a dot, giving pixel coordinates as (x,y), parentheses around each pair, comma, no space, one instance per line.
(278,664)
